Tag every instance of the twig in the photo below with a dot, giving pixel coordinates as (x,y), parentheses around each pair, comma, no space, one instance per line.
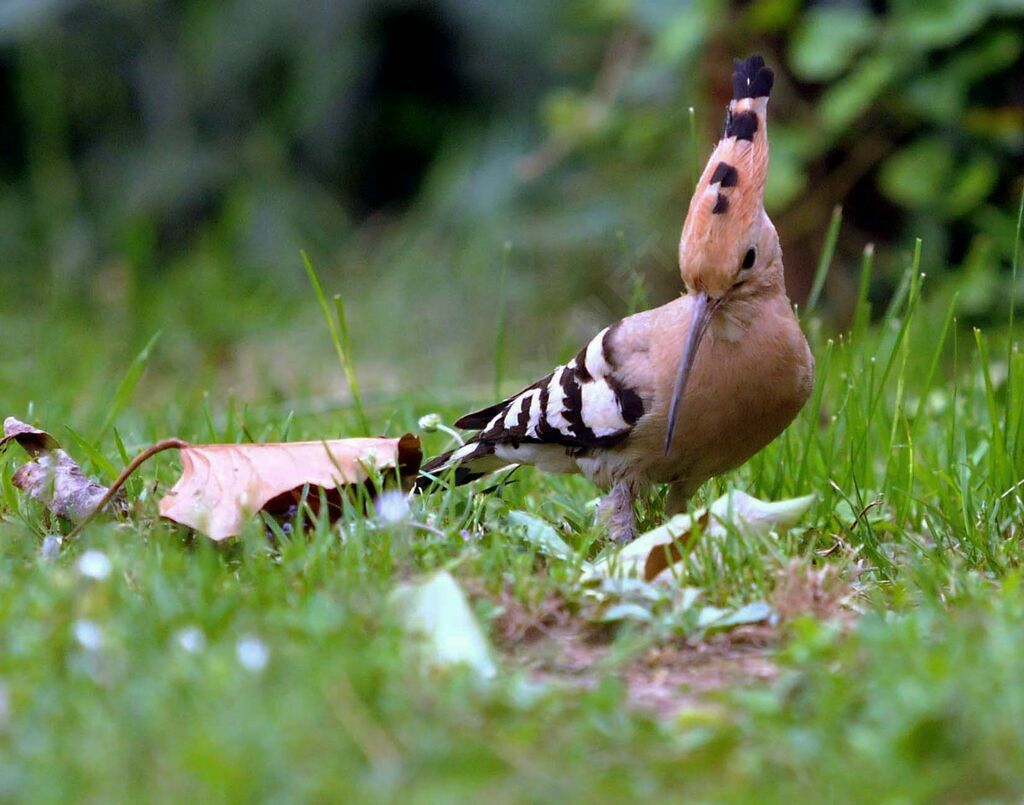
(134,464)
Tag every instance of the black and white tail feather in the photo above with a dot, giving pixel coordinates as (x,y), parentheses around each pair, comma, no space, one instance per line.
(581,406)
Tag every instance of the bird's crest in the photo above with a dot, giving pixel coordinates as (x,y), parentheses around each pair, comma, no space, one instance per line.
(729,198)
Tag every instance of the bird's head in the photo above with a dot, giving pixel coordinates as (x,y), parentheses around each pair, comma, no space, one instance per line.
(727,234)
(729,246)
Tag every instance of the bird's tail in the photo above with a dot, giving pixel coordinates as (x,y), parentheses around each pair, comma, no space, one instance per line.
(461,465)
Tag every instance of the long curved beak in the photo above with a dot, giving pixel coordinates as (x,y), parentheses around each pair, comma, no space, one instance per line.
(703,309)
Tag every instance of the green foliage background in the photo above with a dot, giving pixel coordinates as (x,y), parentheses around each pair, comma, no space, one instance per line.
(162,164)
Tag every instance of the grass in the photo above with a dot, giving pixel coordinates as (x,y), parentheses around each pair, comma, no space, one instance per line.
(139,685)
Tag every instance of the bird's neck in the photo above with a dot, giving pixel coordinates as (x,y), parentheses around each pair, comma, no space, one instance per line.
(734,318)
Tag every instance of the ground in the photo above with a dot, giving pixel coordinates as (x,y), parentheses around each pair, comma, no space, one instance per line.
(142,661)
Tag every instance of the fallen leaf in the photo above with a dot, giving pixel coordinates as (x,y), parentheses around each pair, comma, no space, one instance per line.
(541,535)
(715,619)
(32,440)
(654,553)
(609,600)
(668,608)
(222,485)
(437,617)
(52,477)
(625,611)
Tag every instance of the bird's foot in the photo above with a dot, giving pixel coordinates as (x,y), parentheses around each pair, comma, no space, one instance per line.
(616,512)
(677,500)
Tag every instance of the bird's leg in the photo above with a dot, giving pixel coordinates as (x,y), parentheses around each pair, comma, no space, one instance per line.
(677,500)
(616,511)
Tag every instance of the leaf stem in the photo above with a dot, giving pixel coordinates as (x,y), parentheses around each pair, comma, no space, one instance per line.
(134,464)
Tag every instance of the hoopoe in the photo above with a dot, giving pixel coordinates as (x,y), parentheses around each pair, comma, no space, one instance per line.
(688,390)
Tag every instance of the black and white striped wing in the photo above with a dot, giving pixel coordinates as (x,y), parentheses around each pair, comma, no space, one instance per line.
(580,406)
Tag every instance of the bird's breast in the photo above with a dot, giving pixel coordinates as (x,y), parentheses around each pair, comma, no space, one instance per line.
(748,383)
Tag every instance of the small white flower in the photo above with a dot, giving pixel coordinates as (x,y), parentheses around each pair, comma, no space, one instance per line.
(191,639)
(50,549)
(252,653)
(937,401)
(429,423)
(94,565)
(392,507)
(88,634)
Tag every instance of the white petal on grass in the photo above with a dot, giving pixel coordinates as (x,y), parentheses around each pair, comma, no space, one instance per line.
(88,634)
(94,565)
(626,612)
(50,548)
(191,639)
(441,625)
(252,653)
(393,507)
(937,401)
(541,535)
(715,618)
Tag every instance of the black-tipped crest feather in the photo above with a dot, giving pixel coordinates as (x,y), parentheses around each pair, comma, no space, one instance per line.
(751,79)
(742,126)
(725,175)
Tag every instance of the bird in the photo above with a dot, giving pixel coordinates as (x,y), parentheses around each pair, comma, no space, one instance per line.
(683,392)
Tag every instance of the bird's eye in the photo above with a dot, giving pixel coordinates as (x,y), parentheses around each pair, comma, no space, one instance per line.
(749,258)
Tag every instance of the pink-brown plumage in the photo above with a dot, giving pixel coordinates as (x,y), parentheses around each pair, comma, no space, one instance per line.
(687,390)
(709,249)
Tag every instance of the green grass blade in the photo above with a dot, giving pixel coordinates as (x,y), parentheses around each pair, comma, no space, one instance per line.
(99,461)
(815,409)
(338,329)
(903,289)
(1002,465)
(349,365)
(122,451)
(825,260)
(125,389)
(911,290)
(1011,410)
(862,313)
(499,323)
(691,115)
(211,429)
(934,365)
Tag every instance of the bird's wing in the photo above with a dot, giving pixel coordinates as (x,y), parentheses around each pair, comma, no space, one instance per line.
(581,405)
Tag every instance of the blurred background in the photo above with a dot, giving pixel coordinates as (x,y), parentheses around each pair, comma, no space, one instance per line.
(450,164)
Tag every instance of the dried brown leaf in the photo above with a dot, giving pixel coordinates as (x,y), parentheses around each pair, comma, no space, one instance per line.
(32,440)
(53,477)
(222,485)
